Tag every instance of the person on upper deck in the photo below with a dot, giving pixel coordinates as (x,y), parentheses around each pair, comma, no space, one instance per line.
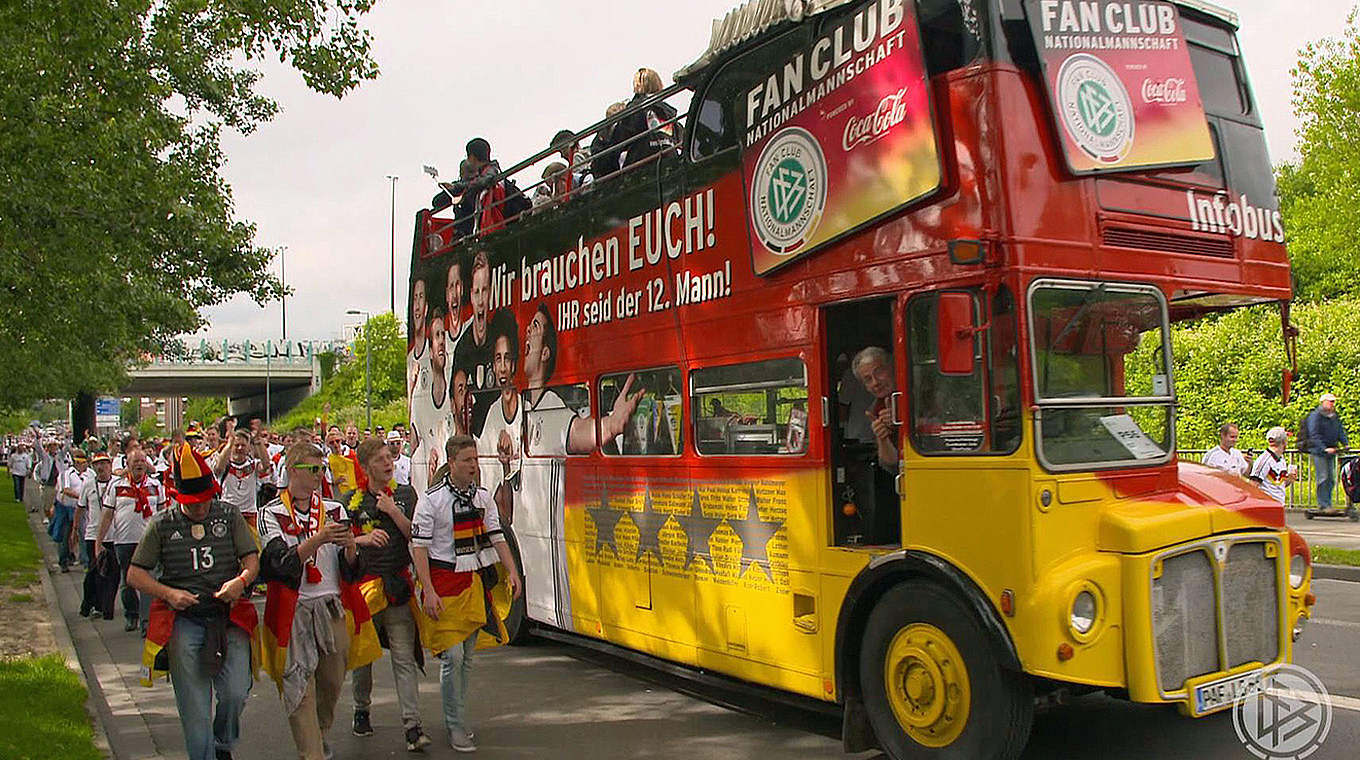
(604,161)
(653,127)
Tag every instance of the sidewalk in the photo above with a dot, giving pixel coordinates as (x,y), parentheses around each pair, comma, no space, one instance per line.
(138,723)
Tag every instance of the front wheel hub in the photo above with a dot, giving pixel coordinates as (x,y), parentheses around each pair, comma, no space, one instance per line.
(926,681)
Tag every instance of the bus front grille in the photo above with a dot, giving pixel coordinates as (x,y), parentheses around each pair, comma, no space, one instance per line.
(1184,619)
(1215,607)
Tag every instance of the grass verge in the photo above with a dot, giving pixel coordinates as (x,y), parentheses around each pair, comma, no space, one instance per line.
(42,712)
(19,555)
(1326,555)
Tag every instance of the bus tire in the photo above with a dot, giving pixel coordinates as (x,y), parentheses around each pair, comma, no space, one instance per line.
(517,621)
(933,687)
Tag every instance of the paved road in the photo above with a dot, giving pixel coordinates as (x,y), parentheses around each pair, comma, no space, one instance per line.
(1337,532)
(553,700)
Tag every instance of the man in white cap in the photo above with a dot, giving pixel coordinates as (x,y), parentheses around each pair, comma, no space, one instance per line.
(401,463)
(1326,435)
(1270,470)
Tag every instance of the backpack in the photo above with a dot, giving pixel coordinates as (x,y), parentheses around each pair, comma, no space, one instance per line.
(1302,441)
(516,202)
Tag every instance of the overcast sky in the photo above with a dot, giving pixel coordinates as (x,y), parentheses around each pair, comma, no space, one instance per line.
(514,71)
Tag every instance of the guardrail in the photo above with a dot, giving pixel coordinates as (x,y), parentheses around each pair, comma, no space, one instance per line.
(1302,494)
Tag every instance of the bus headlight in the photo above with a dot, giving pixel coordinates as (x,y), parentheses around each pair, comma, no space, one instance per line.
(1298,567)
(1083,616)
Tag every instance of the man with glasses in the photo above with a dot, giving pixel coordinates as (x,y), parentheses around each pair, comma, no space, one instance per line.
(310,563)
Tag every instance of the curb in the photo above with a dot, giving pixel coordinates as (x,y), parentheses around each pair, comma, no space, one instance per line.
(1336,573)
(65,644)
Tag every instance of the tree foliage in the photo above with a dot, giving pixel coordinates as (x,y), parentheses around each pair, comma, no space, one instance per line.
(344,390)
(1228,369)
(1320,194)
(116,226)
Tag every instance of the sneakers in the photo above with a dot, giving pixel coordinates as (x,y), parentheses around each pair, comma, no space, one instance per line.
(130,625)
(362,726)
(461,742)
(416,740)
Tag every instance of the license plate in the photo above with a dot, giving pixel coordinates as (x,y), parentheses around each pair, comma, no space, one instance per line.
(1225,692)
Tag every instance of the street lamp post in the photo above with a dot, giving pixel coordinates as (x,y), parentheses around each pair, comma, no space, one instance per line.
(283,300)
(368,368)
(392,243)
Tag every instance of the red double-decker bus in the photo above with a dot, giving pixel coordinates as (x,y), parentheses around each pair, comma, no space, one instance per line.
(852,380)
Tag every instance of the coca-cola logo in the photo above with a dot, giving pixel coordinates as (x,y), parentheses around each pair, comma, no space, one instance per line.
(1169,90)
(891,111)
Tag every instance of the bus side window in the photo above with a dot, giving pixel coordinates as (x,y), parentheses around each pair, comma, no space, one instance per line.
(755,408)
(656,426)
(947,408)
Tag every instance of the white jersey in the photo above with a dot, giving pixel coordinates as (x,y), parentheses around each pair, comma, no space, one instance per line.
(74,480)
(401,470)
(130,518)
(1269,471)
(433,523)
(493,472)
(433,426)
(240,483)
(540,510)
(277,521)
(1228,461)
(92,503)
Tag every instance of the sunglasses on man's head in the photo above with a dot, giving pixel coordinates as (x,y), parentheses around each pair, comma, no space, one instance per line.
(312,468)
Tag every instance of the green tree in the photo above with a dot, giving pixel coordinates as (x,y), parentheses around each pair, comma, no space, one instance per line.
(343,390)
(1320,194)
(116,226)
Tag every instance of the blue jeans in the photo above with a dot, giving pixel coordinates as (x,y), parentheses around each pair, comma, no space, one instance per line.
(205,732)
(59,529)
(455,670)
(1324,467)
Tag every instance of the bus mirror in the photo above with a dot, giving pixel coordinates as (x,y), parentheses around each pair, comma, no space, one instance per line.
(954,319)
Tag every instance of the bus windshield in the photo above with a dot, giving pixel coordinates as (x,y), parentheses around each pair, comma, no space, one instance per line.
(1097,408)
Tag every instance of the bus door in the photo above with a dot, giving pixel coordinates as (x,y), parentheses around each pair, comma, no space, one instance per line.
(862,377)
(964,486)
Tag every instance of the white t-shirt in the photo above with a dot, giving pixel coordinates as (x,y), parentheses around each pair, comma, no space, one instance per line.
(1269,471)
(432,528)
(1228,461)
(240,483)
(401,470)
(92,502)
(489,459)
(74,480)
(128,522)
(276,522)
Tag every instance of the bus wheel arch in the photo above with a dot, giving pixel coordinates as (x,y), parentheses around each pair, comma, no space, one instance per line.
(879,582)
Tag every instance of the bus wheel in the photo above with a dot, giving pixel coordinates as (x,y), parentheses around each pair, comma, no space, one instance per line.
(517,622)
(933,687)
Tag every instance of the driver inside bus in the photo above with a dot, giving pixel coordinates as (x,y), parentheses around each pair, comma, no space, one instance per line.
(873,367)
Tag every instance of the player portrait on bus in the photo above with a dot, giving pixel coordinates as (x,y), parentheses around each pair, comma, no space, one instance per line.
(474,349)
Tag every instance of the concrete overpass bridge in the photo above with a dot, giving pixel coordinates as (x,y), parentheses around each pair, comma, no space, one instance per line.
(261,378)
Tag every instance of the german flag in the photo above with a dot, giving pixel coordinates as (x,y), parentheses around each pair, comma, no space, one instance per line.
(161,626)
(470,604)
(281,604)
